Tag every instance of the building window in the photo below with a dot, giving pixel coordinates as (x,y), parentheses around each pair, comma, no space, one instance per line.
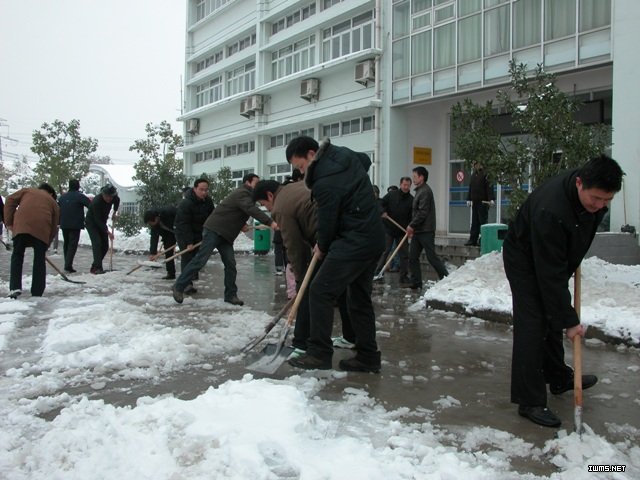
(209,92)
(241,44)
(347,37)
(283,139)
(293,18)
(559,18)
(332,130)
(594,14)
(351,126)
(526,23)
(238,175)
(347,127)
(293,58)
(204,8)
(239,148)
(279,172)
(241,79)
(445,46)
(367,123)
(329,3)
(210,60)
(470,38)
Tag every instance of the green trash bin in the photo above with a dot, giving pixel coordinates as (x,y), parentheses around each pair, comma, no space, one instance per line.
(491,237)
(261,240)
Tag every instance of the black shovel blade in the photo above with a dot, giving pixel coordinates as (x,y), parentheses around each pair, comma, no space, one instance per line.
(269,362)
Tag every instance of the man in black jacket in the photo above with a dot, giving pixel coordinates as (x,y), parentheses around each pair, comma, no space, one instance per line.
(96,222)
(72,205)
(193,210)
(160,222)
(397,205)
(220,230)
(479,198)
(544,246)
(350,239)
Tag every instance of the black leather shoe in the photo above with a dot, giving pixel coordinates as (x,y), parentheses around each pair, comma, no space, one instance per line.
(69,270)
(588,381)
(540,415)
(235,301)
(356,365)
(169,276)
(190,290)
(308,362)
(177,296)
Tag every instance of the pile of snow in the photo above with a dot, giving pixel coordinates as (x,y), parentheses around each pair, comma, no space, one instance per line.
(610,293)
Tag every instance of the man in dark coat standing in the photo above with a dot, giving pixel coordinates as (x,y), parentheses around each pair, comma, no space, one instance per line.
(544,246)
(397,205)
(72,205)
(96,222)
(479,198)
(160,222)
(422,230)
(219,232)
(32,215)
(193,210)
(350,240)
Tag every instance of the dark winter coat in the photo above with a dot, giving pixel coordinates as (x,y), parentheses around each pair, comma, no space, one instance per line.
(349,223)
(72,205)
(397,205)
(480,189)
(295,213)
(423,212)
(190,217)
(163,229)
(549,238)
(233,212)
(98,212)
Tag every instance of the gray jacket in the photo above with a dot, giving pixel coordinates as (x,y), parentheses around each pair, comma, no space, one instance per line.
(233,212)
(423,215)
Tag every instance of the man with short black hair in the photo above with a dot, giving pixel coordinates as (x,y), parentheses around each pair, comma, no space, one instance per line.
(350,240)
(422,230)
(96,222)
(32,215)
(192,211)
(160,222)
(544,246)
(72,205)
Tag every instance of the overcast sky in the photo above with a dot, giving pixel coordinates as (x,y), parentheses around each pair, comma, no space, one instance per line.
(114,65)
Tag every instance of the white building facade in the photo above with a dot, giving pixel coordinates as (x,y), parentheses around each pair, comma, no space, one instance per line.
(381,76)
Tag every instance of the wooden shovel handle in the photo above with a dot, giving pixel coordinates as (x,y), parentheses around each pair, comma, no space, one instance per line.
(392,256)
(181,252)
(303,287)
(577,343)
(395,223)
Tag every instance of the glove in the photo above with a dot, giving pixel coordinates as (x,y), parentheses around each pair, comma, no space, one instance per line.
(492,202)
(469,203)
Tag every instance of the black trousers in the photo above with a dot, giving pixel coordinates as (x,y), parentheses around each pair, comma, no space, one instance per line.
(187,257)
(39,274)
(168,240)
(70,237)
(333,278)
(426,240)
(99,244)
(479,216)
(538,351)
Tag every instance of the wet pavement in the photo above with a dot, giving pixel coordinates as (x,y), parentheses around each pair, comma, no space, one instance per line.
(456,367)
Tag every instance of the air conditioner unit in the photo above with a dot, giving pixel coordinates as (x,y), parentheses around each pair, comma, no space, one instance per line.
(250,105)
(310,89)
(193,126)
(365,72)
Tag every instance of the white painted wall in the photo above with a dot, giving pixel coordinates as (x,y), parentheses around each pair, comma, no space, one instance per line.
(626,111)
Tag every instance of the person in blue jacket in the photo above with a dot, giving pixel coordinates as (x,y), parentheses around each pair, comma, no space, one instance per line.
(72,205)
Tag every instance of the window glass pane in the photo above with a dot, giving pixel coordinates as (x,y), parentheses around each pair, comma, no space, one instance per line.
(468,6)
(421,53)
(445,42)
(400,90)
(401,20)
(496,30)
(559,18)
(496,68)
(421,86)
(594,45)
(559,53)
(470,74)
(526,23)
(400,55)
(469,38)
(594,14)
(444,13)
(444,80)
(421,21)
(420,5)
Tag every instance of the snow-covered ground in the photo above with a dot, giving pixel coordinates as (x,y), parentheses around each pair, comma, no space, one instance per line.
(117,327)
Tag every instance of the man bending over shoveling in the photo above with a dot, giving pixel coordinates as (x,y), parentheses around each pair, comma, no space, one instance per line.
(220,230)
